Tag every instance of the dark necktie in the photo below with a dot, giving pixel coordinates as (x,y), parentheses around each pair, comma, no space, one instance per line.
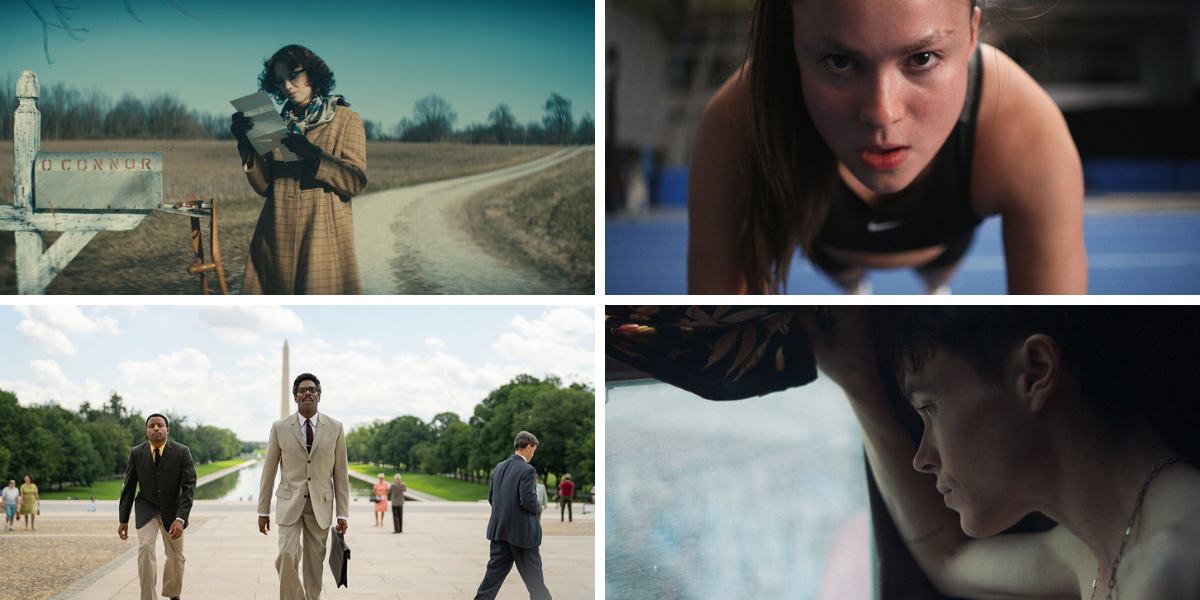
(157,454)
(308,434)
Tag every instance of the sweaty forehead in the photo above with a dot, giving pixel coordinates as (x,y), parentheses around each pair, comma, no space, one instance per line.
(878,27)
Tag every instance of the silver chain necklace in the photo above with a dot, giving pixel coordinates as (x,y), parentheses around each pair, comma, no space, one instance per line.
(1137,506)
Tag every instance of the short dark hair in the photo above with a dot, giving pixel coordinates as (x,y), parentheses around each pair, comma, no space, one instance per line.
(1125,359)
(525,439)
(166,422)
(320,78)
(982,335)
(305,377)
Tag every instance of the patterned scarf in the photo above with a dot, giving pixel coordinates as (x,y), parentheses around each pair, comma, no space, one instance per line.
(318,112)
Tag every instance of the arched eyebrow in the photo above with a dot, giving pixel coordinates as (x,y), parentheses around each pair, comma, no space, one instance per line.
(925,42)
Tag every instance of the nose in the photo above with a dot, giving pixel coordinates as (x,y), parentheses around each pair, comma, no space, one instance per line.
(883,105)
(927,459)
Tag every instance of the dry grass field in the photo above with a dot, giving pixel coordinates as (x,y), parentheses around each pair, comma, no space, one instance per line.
(153,258)
(548,218)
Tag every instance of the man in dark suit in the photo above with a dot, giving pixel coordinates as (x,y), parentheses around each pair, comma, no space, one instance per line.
(514,528)
(160,482)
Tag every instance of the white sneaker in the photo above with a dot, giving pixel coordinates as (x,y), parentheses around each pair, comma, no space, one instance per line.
(941,290)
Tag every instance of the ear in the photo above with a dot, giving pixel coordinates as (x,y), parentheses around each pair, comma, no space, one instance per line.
(976,13)
(1039,361)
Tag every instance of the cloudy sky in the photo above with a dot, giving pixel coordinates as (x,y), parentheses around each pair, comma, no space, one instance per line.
(222,365)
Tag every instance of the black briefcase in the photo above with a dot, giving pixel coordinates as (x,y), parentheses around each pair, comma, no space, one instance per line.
(339,554)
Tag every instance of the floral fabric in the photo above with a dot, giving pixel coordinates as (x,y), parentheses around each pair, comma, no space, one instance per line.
(715,352)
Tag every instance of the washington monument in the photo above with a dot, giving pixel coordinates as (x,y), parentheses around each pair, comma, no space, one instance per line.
(285,406)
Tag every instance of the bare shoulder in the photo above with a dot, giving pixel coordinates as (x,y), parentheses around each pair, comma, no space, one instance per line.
(724,129)
(1166,562)
(719,190)
(1170,563)
(1024,152)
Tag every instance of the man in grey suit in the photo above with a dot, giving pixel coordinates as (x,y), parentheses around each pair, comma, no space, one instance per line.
(397,492)
(309,451)
(514,529)
(160,483)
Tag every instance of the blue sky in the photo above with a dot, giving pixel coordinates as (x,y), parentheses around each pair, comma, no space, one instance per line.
(385,55)
(221,365)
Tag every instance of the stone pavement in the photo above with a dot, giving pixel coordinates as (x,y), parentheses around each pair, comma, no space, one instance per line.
(441,555)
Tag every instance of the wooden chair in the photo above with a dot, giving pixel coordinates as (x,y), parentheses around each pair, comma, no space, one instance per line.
(195,209)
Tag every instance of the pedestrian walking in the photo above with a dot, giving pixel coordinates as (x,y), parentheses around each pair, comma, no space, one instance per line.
(381,500)
(28,504)
(397,491)
(566,489)
(542,495)
(514,528)
(12,497)
(159,488)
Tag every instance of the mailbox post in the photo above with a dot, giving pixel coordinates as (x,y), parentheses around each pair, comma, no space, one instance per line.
(75,193)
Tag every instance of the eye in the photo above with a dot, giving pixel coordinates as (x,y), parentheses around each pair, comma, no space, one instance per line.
(838,63)
(925,408)
(924,60)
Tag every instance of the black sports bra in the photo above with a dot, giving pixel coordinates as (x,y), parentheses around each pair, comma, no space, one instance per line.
(936,211)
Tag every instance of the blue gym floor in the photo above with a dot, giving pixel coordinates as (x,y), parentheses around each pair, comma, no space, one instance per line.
(1128,253)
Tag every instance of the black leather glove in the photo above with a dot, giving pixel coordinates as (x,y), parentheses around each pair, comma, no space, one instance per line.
(241,124)
(300,146)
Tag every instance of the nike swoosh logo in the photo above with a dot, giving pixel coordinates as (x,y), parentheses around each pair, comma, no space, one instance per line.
(872,226)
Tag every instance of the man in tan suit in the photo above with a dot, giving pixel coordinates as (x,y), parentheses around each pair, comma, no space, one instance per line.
(313,479)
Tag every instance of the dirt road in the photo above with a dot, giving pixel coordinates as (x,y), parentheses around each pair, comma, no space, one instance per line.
(413,240)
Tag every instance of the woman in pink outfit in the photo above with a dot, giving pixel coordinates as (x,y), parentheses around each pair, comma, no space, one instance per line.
(381,492)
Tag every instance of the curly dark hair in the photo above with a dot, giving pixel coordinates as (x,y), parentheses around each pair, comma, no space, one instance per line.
(296,56)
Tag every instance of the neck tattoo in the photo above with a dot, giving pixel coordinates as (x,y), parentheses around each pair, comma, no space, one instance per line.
(1137,506)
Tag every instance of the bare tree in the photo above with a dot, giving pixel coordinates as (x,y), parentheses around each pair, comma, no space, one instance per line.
(433,119)
(586,132)
(60,12)
(559,124)
(502,123)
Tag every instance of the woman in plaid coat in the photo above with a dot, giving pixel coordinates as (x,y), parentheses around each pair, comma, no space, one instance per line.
(304,241)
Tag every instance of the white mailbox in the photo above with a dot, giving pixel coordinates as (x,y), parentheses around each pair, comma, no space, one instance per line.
(74,193)
(104,181)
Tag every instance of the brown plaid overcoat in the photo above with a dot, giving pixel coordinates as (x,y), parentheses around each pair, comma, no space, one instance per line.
(304,240)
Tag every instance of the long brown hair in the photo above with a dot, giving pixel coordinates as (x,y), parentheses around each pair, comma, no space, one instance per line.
(793,172)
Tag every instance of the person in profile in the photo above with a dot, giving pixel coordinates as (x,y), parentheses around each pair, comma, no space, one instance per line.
(514,527)
(304,240)
(1027,409)
(160,484)
(308,450)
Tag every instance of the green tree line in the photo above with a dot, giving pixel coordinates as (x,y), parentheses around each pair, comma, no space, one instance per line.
(57,446)
(562,418)
(69,113)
